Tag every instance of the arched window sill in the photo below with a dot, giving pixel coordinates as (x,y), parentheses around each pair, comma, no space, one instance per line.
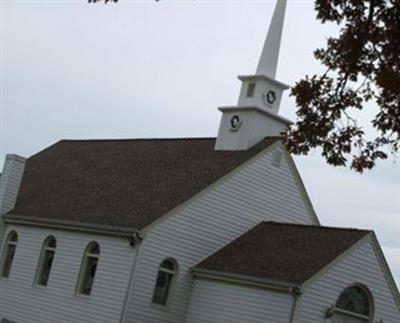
(332,310)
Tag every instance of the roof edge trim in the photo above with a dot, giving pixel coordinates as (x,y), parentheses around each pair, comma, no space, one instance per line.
(68,225)
(336,260)
(274,285)
(385,268)
(302,188)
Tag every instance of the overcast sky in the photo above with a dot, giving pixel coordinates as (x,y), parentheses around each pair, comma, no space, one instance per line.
(145,69)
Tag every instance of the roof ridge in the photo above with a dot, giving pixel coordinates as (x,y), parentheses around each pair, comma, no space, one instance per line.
(137,139)
(315,226)
(153,139)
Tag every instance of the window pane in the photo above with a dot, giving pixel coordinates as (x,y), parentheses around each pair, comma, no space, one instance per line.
(94,248)
(13,237)
(88,275)
(45,268)
(251,89)
(162,287)
(51,243)
(167,264)
(8,259)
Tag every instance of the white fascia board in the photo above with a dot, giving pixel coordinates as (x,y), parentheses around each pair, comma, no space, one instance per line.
(301,186)
(385,268)
(266,78)
(68,225)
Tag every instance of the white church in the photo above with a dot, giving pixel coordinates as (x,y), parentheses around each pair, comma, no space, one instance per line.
(188,230)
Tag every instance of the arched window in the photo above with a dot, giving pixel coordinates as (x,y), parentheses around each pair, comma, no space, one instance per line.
(88,268)
(165,278)
(46,261)
(355,301)
(10,246)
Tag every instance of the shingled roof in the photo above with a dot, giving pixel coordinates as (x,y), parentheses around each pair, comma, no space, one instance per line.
(125,183)
(288,253)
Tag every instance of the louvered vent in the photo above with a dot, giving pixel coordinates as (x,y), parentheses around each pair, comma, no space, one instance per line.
(277,158)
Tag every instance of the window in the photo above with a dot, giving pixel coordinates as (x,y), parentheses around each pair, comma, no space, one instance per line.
(88,268)
(355,304)
(46,261)
(8,254)
(165,278)
(354,299)
(251,89)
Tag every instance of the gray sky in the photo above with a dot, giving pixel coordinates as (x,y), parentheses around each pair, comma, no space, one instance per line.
(146,69)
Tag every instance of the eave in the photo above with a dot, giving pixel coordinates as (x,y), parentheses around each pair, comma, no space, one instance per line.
(278,286)
(91,228)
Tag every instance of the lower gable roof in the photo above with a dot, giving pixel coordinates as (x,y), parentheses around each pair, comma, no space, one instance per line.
(281,252)
(121,183)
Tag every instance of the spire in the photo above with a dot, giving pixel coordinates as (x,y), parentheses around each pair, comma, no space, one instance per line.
(256,114)
(269,56)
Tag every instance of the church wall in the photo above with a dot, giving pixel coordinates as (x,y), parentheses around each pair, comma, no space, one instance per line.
(360,266)
(216,302)
(255,192)
(21,301)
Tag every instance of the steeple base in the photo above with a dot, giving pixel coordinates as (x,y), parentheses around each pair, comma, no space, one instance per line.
(242,127)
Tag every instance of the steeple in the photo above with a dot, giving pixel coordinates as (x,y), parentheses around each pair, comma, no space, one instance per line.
(256,114)
(269,57)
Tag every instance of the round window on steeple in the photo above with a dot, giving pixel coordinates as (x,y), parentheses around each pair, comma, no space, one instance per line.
(269,97)
(235,122)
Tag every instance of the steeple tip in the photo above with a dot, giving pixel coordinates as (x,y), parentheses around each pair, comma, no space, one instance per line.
(269,57)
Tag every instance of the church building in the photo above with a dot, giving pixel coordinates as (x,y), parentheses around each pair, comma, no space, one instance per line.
(188,230)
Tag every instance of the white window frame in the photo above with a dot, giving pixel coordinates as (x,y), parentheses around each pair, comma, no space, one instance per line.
(365,289)
(173,273)
(40,266)
(83,269)
(7,244)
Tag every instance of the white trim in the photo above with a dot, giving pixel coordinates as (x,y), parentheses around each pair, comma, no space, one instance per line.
(173,273)
(4,250)
(129,288)
(65,225)
(39,266)
(83,268)
(266,78)
(245,280)
(342,311)
(385,268)
(274,116)
(300,184)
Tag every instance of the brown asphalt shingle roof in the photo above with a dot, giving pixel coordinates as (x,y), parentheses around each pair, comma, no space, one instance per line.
(127,183)
(282,252)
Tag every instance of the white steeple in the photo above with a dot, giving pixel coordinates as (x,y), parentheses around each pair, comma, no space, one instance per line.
(270,54)
(256,115)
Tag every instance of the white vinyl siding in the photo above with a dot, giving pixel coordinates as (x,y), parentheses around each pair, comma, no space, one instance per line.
(23,302)
(216,302)
(10,181)
(256,192)
(360,266)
